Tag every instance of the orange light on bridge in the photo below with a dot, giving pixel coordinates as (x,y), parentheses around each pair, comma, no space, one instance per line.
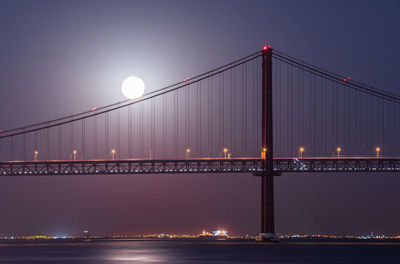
(113,154)
(74,152)
(339,149)
(187,153)
(263,153)
(301,150)
(378,149)
(225,152)
(36,154)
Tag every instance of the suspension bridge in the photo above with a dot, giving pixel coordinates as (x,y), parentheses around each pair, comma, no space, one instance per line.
(267,113)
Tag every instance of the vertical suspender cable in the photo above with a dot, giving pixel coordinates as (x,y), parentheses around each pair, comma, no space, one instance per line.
(245,90)
(83,138)
(95,137)
(59,142)
(256,105)
(310,114)
(106,136)
(187,117)
(164,130)
(325,117)
(220,114)
(223,110)
(177,124)
(383,124)
(48,143)
(314,117)
(287,111)
(118,152)
(209,116)
(36,140)
(291,111)
(197,120)
(233,108)
(337,113)
(152,128)
(298,107)
(141,130)
(130,132)
(23,146)
(200,126)
(280,108)
(243,112)
(12,148)
(303,112)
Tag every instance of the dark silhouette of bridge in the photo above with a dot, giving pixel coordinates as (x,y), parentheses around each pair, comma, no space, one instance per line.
(285,116)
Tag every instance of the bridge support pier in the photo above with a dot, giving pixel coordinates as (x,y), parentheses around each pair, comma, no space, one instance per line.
(267,178)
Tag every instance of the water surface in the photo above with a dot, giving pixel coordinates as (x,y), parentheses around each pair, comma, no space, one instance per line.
(131,251)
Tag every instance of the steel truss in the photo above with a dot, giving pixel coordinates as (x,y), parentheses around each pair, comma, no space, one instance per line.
(248,165)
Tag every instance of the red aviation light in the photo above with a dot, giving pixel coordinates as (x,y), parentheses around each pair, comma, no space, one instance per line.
(94,109)
(1,131)
(349,78)
(186,79)
(344,79)
(266,47)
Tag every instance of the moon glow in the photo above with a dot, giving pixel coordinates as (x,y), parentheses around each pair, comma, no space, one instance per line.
(132,87)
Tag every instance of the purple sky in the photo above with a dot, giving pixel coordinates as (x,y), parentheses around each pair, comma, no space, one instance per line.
(63,57)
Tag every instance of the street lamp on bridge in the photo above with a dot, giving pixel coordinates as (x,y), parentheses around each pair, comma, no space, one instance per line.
(378,149)
(263,153)
(301,150)
(338,151)
(113,154)
(36,154)
(225,152)
(74,152)
(187,152)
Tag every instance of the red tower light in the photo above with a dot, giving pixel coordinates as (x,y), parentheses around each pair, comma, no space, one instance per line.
(349,78)
(265,47)
(344,79)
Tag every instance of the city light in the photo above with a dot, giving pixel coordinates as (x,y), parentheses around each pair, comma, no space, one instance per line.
(338,151)
(378,149)
(301,150)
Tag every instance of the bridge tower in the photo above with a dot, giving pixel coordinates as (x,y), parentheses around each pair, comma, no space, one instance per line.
(267,176)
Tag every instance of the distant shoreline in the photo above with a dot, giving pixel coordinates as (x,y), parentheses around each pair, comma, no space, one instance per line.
(199,240)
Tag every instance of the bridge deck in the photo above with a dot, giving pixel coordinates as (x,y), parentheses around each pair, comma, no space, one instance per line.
(210,165)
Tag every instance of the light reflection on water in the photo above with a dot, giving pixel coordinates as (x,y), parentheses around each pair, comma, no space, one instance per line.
(136,256)
(99,252)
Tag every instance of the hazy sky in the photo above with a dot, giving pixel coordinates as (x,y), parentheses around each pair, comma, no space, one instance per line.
(63,57)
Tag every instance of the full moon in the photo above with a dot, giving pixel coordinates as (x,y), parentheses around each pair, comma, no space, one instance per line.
(132,87)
